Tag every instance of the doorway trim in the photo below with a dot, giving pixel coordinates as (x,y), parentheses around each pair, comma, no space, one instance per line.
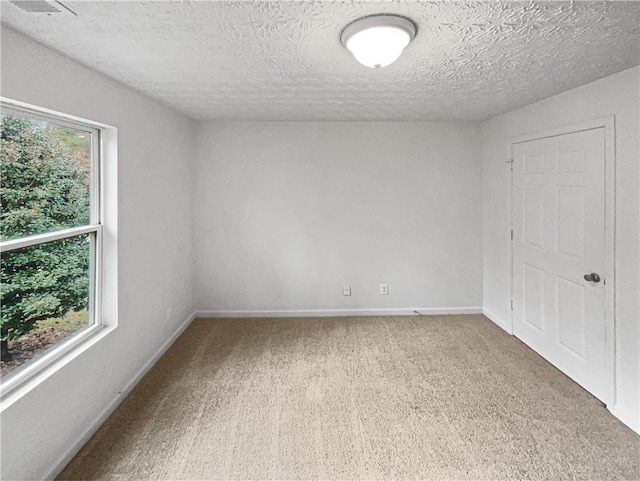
(608,123)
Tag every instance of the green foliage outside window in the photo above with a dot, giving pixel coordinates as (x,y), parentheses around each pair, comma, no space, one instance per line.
(44,172)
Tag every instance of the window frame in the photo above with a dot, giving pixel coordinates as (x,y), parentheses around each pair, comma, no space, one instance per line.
(64,348)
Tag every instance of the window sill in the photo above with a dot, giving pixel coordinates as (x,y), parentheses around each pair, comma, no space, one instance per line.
(34,374)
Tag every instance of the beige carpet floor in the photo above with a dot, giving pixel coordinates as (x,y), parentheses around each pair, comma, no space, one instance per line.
(451,397)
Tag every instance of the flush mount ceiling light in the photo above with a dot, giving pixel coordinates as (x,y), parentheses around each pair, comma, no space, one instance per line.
(378,40)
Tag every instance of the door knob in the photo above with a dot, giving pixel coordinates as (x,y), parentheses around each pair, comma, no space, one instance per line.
(593,277)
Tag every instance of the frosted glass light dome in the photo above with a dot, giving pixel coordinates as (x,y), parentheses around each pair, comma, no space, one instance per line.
(379,40)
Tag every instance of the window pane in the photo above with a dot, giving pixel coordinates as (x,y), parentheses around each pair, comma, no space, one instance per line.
(44,170)
(45,297)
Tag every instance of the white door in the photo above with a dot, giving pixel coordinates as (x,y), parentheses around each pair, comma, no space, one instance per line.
(558,239)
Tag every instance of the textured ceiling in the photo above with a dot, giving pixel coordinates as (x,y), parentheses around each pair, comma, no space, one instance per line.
(284,61)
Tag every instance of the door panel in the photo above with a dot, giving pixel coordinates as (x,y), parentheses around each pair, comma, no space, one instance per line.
(534,215)
(534,297)
(571,214)
(558,237)
(571,315)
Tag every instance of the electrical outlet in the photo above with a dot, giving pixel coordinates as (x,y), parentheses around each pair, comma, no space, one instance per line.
(346,291)
(169,313)
(384,289)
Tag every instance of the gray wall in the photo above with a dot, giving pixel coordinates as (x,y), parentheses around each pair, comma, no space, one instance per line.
(289,212)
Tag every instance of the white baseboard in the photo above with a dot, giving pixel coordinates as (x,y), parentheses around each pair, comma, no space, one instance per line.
(111,407)
(409,311)
(497,321)
(627,418)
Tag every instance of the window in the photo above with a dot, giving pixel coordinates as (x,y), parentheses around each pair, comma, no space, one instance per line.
(51,237)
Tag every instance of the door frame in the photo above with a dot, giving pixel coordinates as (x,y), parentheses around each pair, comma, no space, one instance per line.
(608,123)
